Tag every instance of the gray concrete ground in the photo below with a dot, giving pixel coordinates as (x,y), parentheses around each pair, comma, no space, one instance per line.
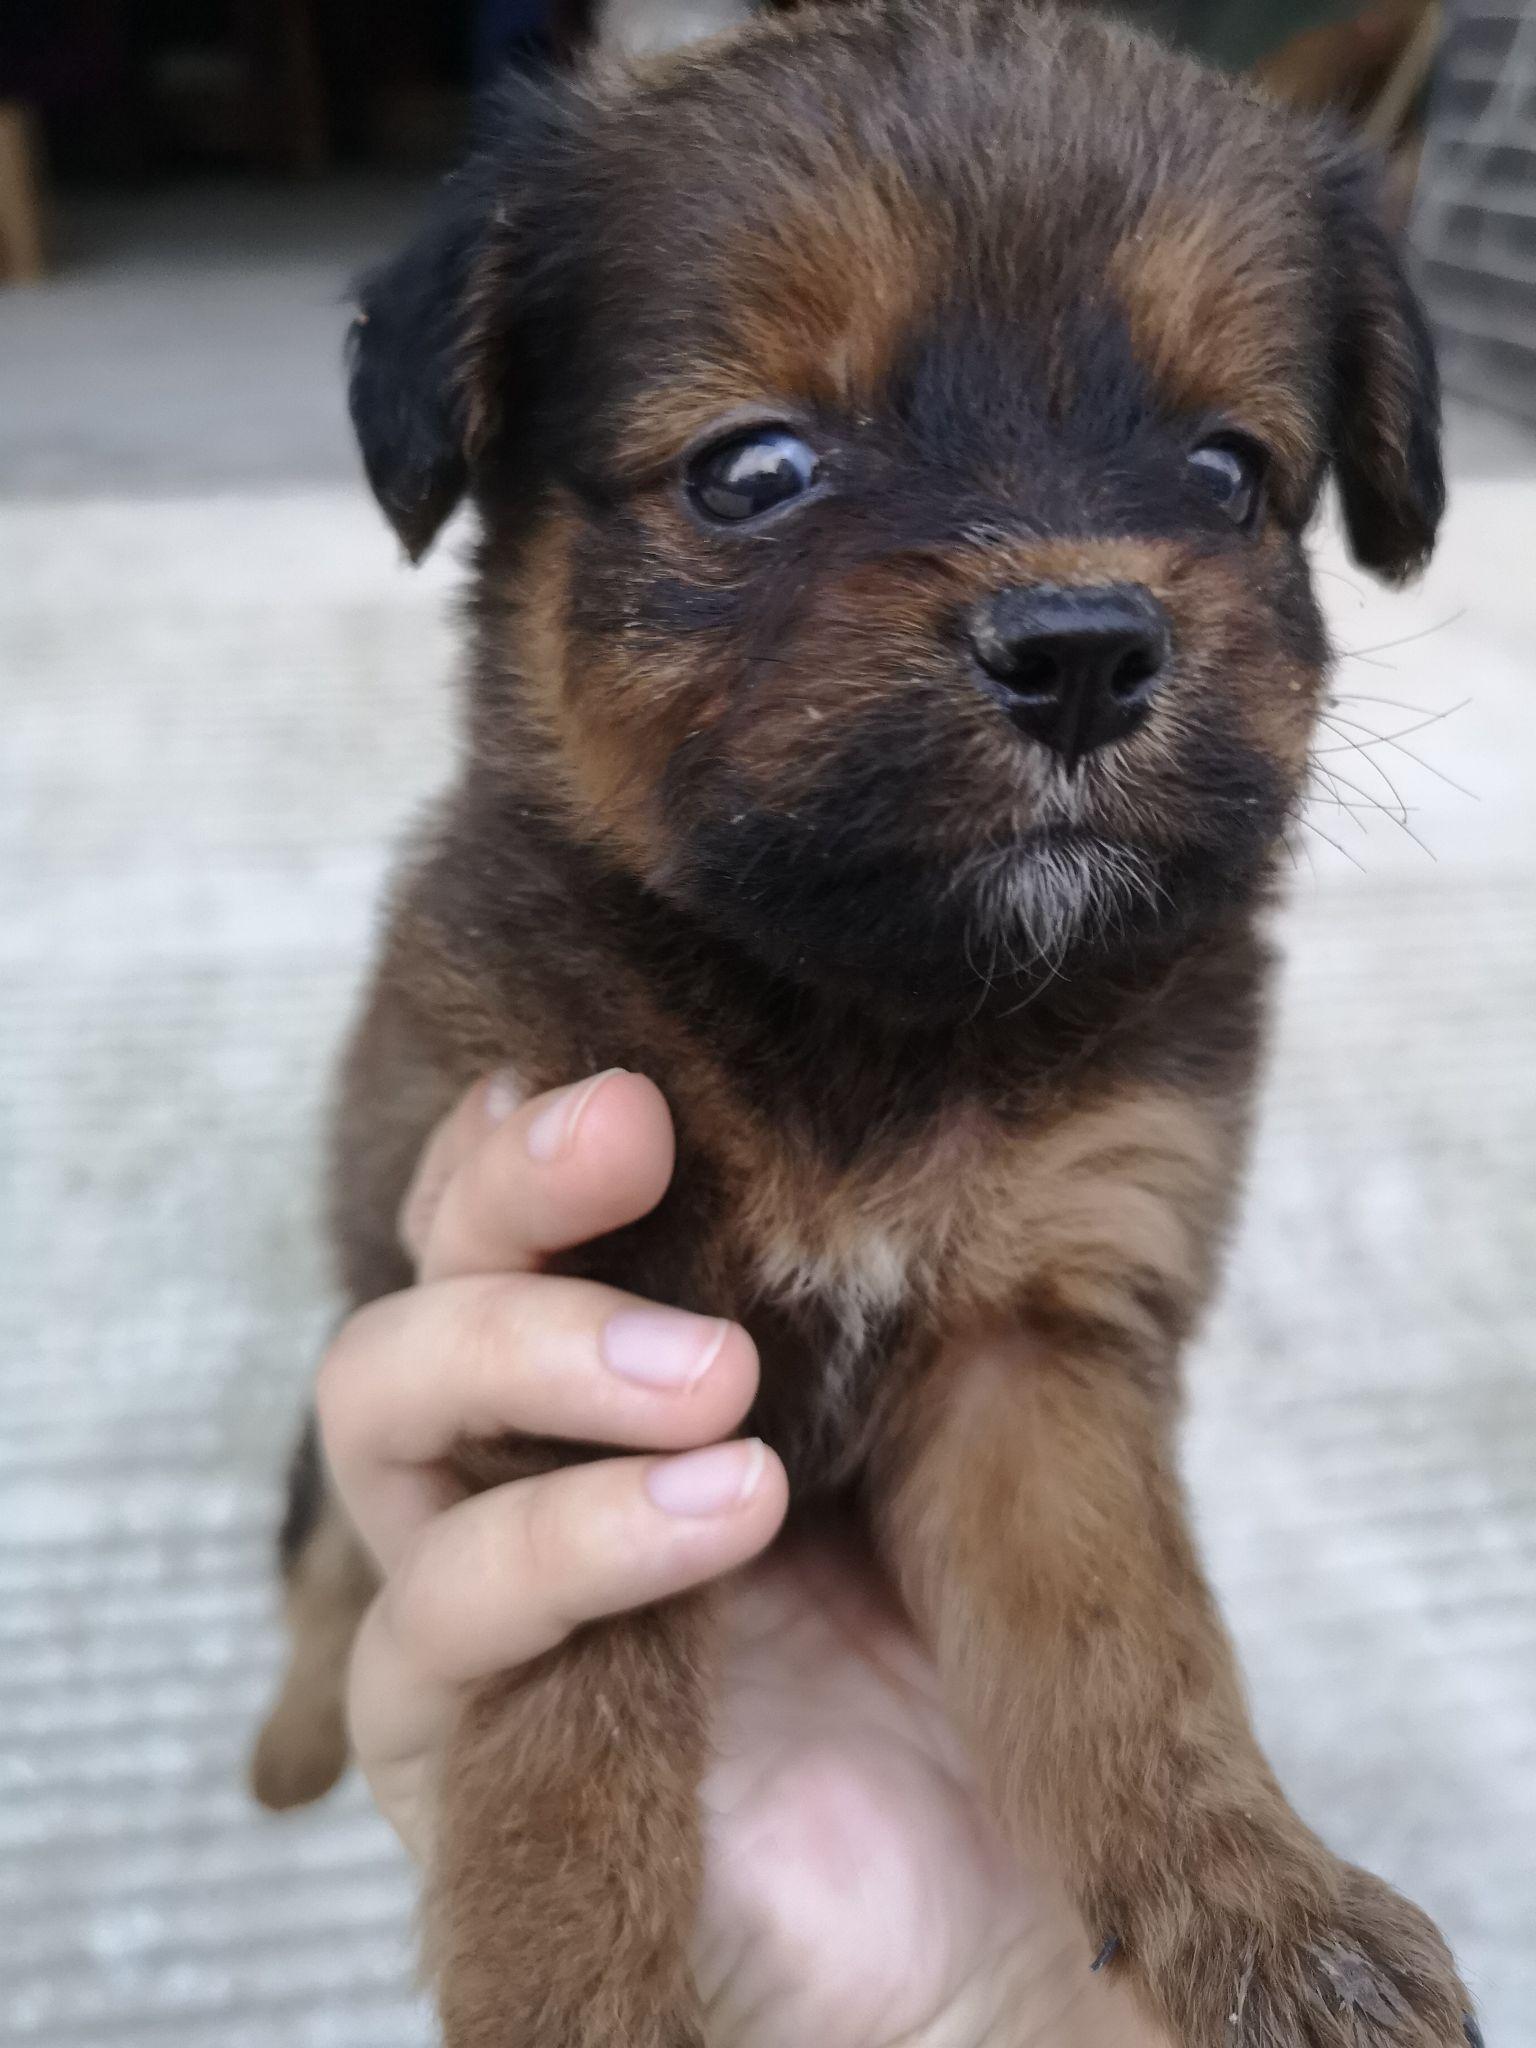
(190,340)
(222,694)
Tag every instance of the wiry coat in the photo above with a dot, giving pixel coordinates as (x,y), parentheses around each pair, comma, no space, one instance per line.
(960,1047)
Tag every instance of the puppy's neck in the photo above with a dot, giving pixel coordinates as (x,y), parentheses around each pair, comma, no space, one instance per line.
(853,1062)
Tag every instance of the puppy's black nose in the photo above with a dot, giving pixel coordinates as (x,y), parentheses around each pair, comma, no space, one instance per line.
(1073,665)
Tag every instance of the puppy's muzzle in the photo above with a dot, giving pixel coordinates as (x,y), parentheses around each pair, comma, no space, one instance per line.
(1074,667)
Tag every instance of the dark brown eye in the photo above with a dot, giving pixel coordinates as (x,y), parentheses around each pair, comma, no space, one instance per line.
(750,474)
(1231,472)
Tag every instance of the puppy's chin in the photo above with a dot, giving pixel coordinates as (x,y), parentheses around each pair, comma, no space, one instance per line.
(924,935)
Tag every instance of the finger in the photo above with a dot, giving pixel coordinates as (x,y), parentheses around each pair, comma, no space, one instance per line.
(465,1127)
(503,1577)
(560,1169)
(411,1376)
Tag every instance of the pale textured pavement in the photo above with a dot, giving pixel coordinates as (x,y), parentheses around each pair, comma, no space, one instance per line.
(217,709)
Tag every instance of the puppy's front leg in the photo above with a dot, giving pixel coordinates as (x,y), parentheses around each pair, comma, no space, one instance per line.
(1030,1508)
(567,1875)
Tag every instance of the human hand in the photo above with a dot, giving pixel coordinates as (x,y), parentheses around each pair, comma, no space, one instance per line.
(856,1893)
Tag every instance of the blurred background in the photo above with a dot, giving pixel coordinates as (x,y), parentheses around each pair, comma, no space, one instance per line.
(223,694)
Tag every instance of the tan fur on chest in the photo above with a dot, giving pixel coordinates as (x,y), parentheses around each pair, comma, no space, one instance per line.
(953,1227)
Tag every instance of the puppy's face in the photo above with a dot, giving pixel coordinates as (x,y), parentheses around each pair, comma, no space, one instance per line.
(894,436)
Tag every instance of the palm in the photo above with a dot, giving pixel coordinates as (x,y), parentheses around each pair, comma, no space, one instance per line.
(857,1895)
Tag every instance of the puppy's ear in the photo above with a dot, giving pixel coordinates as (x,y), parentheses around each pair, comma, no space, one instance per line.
(403,352)
(434,350)
(1385,398)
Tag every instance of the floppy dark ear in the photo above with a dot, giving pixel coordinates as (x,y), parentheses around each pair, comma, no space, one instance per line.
(1385,398)
(447,334)
(407,408)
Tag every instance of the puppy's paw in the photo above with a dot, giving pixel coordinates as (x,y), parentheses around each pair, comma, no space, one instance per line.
(300,1752)
(1370,1972)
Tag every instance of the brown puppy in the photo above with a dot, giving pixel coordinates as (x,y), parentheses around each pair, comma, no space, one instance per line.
(894,666)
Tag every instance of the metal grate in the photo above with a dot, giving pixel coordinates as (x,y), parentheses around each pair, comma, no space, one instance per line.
(1475,216)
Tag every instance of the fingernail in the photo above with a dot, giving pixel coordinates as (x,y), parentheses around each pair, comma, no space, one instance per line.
(707,1482)
(661,1347)
(554,1127)
(503,1093)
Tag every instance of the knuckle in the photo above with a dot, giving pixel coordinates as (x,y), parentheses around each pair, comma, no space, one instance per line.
(489,1335)
(476,1319)
(415,1613)
(545,1551)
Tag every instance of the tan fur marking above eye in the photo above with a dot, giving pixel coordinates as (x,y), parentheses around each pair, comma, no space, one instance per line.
(670,415)
(816,307)
(1217,302)
(820,302)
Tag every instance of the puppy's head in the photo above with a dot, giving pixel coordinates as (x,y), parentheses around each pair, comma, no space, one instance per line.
(893,431)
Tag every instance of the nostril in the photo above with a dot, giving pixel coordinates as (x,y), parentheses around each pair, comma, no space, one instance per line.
(1034,672)
(1139,666)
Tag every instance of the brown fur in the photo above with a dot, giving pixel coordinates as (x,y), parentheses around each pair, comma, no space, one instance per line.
(1035,1519)
(303,1746)
(579,1909)
(960,1048)
(1216,304)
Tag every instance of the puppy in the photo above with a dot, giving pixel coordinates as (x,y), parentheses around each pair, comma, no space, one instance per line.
(893,668)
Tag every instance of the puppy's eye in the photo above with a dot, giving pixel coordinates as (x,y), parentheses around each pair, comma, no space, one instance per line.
(750,474)
(1231,471)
